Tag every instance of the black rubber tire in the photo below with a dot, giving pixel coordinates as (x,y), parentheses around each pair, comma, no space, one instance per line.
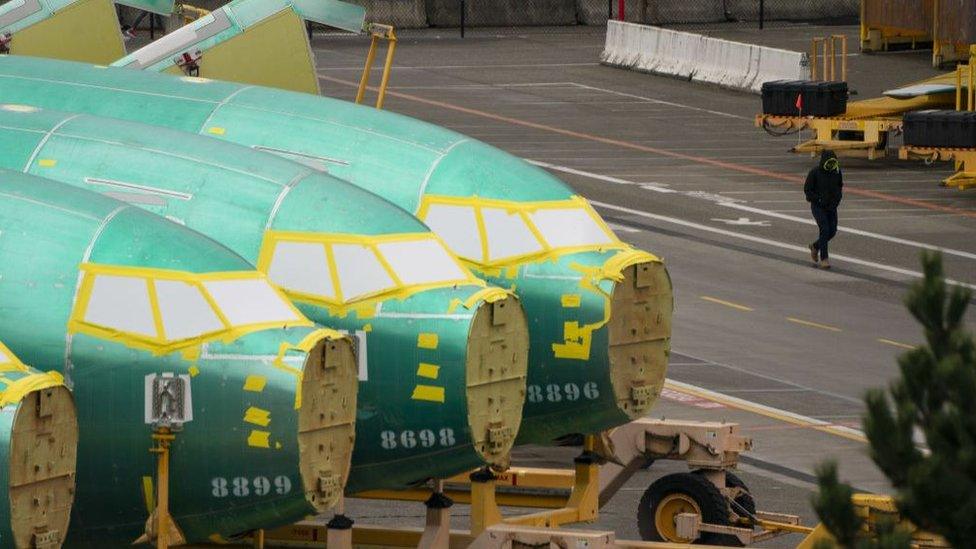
(714,508)
(744,501)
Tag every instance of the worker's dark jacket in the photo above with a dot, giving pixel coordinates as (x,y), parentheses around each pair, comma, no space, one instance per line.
(825,184)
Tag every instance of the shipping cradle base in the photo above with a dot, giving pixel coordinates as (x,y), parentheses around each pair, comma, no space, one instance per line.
(568,496)
(861,138)
(965,163)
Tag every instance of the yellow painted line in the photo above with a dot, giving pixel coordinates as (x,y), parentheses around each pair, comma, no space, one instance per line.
(726,303)
(895,343)
(813,324)
(767,411)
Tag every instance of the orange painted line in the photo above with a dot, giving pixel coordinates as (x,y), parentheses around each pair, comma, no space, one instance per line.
(662,152)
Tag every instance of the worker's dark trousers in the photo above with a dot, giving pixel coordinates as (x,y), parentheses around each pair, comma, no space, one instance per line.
(827,223)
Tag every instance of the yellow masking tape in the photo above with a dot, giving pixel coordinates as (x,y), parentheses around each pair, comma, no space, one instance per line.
(216,130)
(428,370)
(10,363)
(47,162)
(305,345)
(428,392)
(364,305)
(254,383)
(257,416)
(259,439)
(427,341)
(16,390)
(571,300)
(194,371)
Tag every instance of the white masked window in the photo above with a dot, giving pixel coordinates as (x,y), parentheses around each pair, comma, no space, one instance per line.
(421,261)
(360,272)
(458,227)
(4,357)
(121,303)
(249,301)
(564,227)
(302,267)
(185,311)
(508,234)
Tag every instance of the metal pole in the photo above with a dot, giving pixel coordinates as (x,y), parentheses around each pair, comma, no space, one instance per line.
(814,57)
(959,87)
(826,74)
(843,57)
(390,48)
(364,81)
(762,13)
(462,18)
(620,10)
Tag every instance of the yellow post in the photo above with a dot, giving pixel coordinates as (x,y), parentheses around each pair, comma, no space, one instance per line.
(833,59)
(959,88)
(163,438)
(484,507)
(364,81)
(825,75)
(815,55)
(386,69)
(843,57)
(969,91)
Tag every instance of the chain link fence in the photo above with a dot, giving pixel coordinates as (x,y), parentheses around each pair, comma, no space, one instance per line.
(567,13)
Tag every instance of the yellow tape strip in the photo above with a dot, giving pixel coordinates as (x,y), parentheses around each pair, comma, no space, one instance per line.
(427,341)
(12,363)
(305,345)
(428,370)
(217,130)
(257,416)
(18,389)
(428,392)
(577,339)
(259,439)
(571,301)
(255,383)
(47,162)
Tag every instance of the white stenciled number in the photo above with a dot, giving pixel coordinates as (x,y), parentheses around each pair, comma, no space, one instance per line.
(282,484)
(261,486)
(556,393)
(408,439)
(388,440)
(219,486)
(447,436)
(240,487)
(427,438)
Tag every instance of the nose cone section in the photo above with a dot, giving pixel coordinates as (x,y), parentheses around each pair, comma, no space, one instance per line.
(496,368)
(642,304)
(326,417)
(43,442)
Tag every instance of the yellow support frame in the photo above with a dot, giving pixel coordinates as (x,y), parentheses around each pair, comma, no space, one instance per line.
(827,131)
(378,32)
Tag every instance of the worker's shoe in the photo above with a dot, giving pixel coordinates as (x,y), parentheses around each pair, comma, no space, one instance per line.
(824,264)
(813,251)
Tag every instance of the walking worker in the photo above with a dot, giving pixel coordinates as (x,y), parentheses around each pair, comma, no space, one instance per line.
(824,189)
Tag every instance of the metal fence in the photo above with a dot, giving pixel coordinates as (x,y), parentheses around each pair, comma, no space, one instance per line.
(556,13)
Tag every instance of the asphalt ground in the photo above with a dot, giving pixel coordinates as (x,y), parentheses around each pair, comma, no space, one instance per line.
(680,170)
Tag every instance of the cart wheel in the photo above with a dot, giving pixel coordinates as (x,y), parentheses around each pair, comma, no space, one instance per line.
(744,506)
(679,493)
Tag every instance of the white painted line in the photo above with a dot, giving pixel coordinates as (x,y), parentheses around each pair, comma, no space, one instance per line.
(769,411)
(736,204)
(774,243)
(662,102)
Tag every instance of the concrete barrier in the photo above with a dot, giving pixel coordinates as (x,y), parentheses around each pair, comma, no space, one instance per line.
(699,58)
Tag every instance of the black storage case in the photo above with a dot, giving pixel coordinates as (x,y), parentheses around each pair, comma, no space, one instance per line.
(940,128)
(819,98)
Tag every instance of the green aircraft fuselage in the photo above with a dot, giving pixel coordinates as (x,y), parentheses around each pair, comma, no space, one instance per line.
(412,306)
(599,311)
(108,294)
